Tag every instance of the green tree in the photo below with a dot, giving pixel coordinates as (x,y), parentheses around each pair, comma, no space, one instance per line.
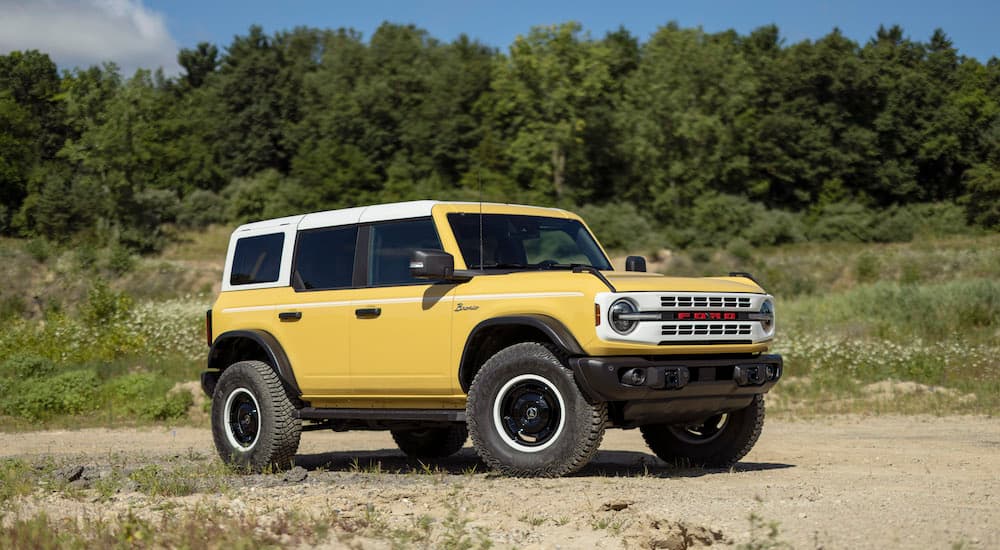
(686,113)
(198,63)
(31,124)
(541,94)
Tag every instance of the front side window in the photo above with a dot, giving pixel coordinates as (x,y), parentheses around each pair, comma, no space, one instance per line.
(324,258)
(257,259)
(392,246)
(511,242)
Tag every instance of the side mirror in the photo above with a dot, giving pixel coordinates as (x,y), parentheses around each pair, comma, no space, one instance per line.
(433,264)
(635,263)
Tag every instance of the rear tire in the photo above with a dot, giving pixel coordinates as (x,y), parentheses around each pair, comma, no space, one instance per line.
(252,419)
(527,416)
(431,443)
(716,442)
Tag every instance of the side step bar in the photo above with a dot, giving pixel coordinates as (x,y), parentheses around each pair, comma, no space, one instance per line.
(432,415)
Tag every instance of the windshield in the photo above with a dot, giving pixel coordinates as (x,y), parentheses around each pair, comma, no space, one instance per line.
(510,241)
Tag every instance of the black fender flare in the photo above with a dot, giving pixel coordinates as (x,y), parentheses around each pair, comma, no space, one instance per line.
(276,356)
(551,327)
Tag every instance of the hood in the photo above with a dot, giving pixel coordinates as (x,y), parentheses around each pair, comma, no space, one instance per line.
(627,281)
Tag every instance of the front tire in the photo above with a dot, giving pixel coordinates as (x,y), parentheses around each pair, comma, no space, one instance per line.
(431,443)
(716,442)
(527,416)
(252,419)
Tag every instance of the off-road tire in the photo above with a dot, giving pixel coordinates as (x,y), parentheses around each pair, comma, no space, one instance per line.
(537,374)
(431,443)
(245,387)
(722,450)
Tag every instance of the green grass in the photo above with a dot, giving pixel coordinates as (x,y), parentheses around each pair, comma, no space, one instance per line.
(900,329)
(89,352)
(820,268)
(961,310)
(207,245)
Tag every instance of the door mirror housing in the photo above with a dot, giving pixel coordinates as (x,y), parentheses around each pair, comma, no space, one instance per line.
(635,263)
(434,264)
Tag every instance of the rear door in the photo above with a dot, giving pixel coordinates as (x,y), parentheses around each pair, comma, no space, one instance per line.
(314,326)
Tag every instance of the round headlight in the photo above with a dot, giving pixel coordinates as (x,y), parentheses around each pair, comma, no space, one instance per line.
(767,316)
(621,326)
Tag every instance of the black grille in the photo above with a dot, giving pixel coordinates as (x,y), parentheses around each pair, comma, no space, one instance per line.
(706,329)
(706,301)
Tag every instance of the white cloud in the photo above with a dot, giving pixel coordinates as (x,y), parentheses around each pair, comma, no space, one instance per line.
(88,32)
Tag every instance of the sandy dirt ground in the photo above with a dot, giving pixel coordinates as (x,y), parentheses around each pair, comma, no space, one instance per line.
(839,482)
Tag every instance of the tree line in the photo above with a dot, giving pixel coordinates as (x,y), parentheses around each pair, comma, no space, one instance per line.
(696,137)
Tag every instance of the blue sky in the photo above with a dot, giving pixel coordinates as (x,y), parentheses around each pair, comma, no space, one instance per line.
(148,32)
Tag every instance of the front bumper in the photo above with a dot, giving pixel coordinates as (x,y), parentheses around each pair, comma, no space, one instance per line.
(642,390)
(642,378)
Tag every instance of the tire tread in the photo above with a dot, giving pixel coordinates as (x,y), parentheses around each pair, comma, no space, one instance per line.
(593,417)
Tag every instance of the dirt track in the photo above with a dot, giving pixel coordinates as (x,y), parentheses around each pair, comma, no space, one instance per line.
(846,482)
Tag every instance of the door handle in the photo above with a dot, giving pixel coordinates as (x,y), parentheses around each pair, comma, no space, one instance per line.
(290,315)
(368,312)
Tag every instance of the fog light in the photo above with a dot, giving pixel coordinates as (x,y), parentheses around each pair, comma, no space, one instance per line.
(634,377)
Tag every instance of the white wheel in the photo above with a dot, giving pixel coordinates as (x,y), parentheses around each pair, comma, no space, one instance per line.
(529,413)
(242,419)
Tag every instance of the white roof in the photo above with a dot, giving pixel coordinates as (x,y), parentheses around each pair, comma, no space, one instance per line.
(347,216)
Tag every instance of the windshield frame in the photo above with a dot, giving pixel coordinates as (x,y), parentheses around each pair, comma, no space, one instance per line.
(493,225)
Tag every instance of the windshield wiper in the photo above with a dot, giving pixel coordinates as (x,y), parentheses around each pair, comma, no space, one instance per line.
(561,266)
(500,265)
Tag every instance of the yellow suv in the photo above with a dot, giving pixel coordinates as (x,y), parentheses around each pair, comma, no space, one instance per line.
(441,320)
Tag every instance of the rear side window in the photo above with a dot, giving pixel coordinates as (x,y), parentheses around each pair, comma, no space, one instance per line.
(324,258)
(257,259)
(392,245)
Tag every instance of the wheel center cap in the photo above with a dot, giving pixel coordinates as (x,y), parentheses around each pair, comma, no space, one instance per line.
(531,413)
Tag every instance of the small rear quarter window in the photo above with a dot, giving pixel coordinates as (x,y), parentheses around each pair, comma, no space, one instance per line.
(257,259)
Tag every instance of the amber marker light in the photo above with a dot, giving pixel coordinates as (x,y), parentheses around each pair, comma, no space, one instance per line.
(597,315)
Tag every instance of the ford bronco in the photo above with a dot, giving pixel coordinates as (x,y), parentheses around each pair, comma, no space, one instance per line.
(438,321)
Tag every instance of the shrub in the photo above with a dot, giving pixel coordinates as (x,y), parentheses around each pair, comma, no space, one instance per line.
(866,267)
(774,227)
(267,194)
(843,221)
(714,219)
(620,226)
(104,304)
(70,392)
(131,394)
(120,260)
(25,366)
(967,309)
(169,407)
(145,395)
(11,307)
(38,248)
(937,219)
(85,257)
(895,225)
(982,202)
(740,249)
(201,208)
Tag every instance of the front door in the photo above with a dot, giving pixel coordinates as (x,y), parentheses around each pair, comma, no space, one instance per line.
(400,326)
